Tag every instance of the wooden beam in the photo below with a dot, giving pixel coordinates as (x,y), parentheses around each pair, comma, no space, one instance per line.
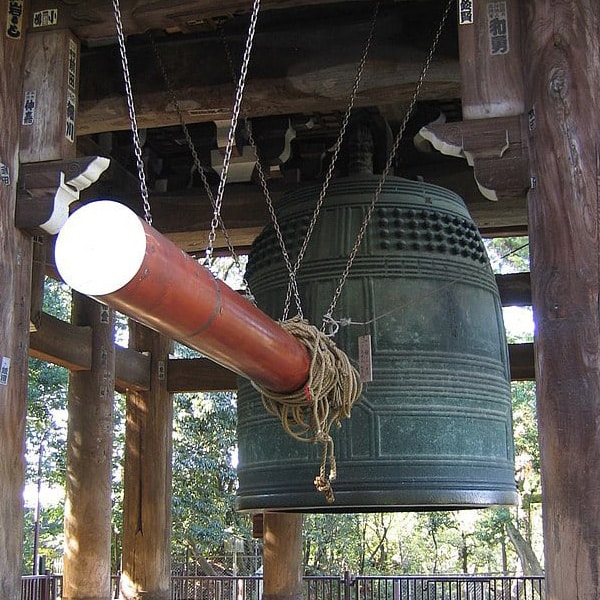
(132,370)
(69,346)
(47,189)
(489,39)
(199,374)
(202,375)
(495,148)
(282,556)
(522,363)
(146,557)
(185,217)
(515,289)
(38,276)
(94,20)
(62,343)
(293,70)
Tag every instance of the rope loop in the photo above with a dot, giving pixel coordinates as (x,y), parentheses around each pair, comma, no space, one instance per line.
(332,389)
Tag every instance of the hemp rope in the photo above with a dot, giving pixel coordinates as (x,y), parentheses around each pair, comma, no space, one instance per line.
(332,388)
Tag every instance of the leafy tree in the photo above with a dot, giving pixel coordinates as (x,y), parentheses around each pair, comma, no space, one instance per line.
(204,477)
(45,442)
(334,543)
(508,255)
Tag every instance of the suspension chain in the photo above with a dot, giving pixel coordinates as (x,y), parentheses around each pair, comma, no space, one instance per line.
(328,317)
(137,146)
(231,137)
(196,159)
(333,162)
(265,188)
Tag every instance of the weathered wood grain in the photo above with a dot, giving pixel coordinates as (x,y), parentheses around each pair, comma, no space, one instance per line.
(147,479)
(282,556)
(88,489)
(70,346)
(491,60)
(94,20)
(496,148)
(15,278)
(306,66)
(563,61)
(51,84)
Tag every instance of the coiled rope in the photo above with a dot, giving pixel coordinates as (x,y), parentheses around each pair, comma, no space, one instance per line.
(332,389)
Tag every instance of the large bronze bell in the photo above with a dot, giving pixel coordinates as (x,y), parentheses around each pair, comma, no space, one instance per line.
(433,430)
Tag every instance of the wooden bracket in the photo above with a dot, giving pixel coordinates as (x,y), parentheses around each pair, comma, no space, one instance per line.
(47,189)
(496,148)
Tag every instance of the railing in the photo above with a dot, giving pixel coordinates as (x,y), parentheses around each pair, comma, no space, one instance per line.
(402,587)
(451,587)
(40,587)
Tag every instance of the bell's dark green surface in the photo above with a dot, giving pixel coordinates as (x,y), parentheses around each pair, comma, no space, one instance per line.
(433,430)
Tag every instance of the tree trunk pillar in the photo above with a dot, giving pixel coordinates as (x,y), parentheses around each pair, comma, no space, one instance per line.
(87,557)
(562,58)
(282,556)
(15,278)
(147,489)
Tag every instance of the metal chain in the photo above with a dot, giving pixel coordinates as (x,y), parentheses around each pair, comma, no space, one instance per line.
(132,118)
(196,159)
(239,92)
(265,188)
(292,282)
(328,317)
(292,288)
(333,162)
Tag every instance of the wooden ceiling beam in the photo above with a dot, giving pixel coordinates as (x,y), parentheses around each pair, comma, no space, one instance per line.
(304,66)
(93,20)
(245,212)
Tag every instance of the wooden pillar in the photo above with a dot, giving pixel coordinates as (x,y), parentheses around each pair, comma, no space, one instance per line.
(147,488)
(282,556)
(15,278)
(87,557)
(562,64)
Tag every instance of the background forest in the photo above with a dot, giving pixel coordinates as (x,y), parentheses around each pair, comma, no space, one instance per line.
(506,540)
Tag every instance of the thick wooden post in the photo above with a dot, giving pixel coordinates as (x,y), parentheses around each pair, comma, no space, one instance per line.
(147,500)
(282,556)
(87,556)
(562,63)
(15,282)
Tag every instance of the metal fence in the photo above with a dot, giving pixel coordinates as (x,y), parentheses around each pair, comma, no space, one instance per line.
(41,587)
(347,587)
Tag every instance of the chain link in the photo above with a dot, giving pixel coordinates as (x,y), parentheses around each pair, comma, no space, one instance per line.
(292,283)
(239,92)
(363,229)
(267,194)
(336,150)
(196,160)
(137,147)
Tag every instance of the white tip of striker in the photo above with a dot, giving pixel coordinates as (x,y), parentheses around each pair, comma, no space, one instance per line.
(100,248)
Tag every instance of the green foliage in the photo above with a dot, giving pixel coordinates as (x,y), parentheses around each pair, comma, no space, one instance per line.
(204,477)
(508,255)
(57,299)
(333,543)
